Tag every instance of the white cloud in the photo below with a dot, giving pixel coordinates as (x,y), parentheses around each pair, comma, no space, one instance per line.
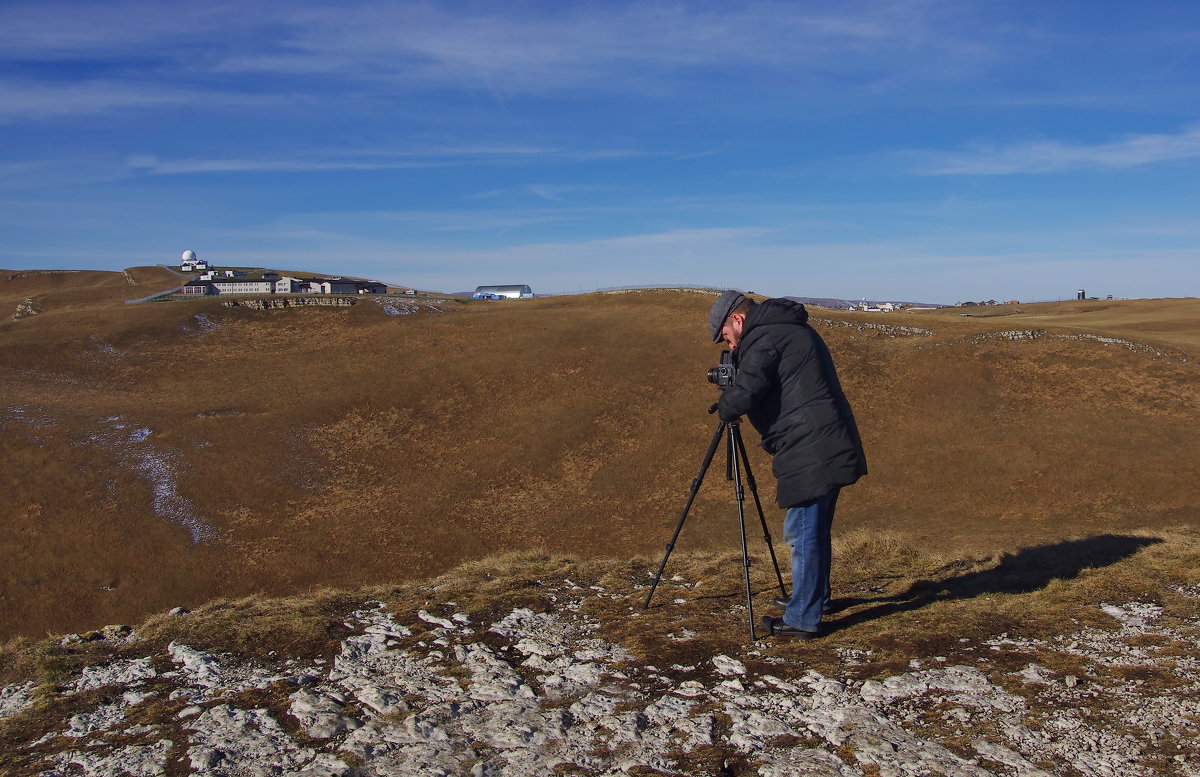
(1049,156)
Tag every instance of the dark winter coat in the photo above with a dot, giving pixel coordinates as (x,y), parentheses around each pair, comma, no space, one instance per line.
(787,386)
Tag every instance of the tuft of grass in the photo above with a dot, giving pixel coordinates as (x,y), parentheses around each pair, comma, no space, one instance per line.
(17,658)
(482,586)
(48,663)
(257,626)
(866,558)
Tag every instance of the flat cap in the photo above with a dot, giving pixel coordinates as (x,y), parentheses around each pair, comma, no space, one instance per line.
(728,300)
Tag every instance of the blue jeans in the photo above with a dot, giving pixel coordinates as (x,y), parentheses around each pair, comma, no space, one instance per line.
(806,528)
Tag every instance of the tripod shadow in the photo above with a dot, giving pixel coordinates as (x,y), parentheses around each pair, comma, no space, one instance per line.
(1024,571)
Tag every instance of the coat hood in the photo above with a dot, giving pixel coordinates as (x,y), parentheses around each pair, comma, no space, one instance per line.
(775,311)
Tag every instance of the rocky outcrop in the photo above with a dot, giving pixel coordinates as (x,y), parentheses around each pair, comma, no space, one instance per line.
(35,273)
(269,303)
(530,693)
(1032,335)
(25,309)
(891,330)
(393,306)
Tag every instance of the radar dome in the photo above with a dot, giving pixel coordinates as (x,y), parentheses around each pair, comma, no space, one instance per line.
(189,255)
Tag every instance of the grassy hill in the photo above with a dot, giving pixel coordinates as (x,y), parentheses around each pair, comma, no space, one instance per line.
(1170,322)
(168,453)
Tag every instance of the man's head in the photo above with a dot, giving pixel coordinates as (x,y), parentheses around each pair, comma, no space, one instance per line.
(727,318)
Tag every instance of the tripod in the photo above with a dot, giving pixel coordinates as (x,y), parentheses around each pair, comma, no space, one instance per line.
(735,453)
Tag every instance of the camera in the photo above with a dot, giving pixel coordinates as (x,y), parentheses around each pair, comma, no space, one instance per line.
(722,375)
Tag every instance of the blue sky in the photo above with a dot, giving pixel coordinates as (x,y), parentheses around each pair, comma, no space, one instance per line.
(923,150)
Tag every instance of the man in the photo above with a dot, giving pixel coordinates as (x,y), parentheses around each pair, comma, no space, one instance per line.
(785,383)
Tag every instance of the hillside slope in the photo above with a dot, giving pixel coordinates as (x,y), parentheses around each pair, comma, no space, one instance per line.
(164,454)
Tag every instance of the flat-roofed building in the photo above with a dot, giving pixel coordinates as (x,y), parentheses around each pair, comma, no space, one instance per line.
(242,286)
(197,288)
(511,291)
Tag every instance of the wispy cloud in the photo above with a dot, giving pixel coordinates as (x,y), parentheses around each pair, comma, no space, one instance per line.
(554,192)
(26,99)
(155,166)
(362,49)
(1047,156)
(522,48)
(380,159)
(68,29)
(556,45)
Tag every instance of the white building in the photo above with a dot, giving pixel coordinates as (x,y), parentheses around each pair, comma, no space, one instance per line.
(211,283)
(289,285)
(189,262)
(506,292)
(242,286)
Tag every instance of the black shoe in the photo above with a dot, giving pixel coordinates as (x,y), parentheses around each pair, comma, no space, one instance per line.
(831,606)
(775,627)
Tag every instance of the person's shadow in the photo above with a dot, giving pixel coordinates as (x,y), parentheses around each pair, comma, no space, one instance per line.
(1026,570)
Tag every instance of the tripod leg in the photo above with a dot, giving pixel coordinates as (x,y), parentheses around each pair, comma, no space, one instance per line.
(762,520)
(739,494)
(708,457)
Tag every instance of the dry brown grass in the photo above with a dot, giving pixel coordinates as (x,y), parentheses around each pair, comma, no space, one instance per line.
(902,603)
(1168,322)
(257,626)
(345,447)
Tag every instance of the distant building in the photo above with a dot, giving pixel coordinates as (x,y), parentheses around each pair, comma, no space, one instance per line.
(189,262)
(216,285)
(198,288)
(288,285)
(337,286)
(241,286)
(211,283)
(505,292)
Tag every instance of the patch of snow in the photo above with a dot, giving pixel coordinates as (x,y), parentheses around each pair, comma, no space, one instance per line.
(135,451)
